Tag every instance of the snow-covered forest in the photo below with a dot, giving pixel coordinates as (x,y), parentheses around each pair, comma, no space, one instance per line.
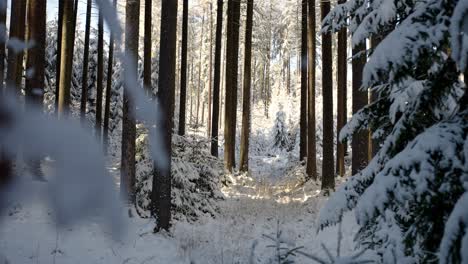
(229,131)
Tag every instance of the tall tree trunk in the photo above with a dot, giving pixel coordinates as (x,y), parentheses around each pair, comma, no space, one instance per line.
(132,35)
(328,170)
(217,79)
(161,195)
(58,60)
(110,66)
(200,66)
(15,59)
(183,71)
(246,100)
(360,139)
(84,79)
(3,13)
(232,55)
(303,114)
(210,75)
(147,48)
(342,77)
(311,144)
(36,56)
(100,76)
(68,37)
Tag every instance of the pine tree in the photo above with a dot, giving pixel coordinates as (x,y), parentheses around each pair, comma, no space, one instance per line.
(161,194)
(15,58)
(217,80)
(342,72)
(183,71)
(100,76)
(420,119)
(84,80)
(246,105)
(132,35)
(68,37)
(147,47)
(110,73)
(232,54)
(304,62)
(200,69)
(311,131)
(210,80)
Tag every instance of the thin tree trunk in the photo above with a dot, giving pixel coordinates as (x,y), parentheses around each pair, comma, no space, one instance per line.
(303,114)
(210,81)
(217,79)
(342,77)
(147,48)
(199,88)
(66,63)
(58,60)
(246,105)
(232,55)
(161,195)
(15,59)
(132,33)
(311,146)
(183,71)
(108,88)
(360,139)
(328,170)
(84,79)
(100,76)
(223,87)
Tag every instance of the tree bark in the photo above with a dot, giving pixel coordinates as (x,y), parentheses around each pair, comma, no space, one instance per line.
(328,170)
(132,35)
(15,59)
(100,76)
(59,53)
(161,195)
(147,48)
(342,77)
(108,88)
(303,114)
(210,75)
(84,79)
(360,139)
(232,54)
(217,79)
(311,144)
(183,71)
(246,105)
(68,36)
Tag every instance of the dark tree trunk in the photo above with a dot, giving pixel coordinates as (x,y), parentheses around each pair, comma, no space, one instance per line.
(183,71)
(68,37)
(328,170)
(373,145)
(100,76)
(210,75)
(147,48)
(58,60)
(342,77)
(161,195)
(84,80)
(132,33)
(311,144)
(15,60)
(217,80)
(232,55)
(36,55)
(246,100)
(303,114)
(360,139)
(108,89)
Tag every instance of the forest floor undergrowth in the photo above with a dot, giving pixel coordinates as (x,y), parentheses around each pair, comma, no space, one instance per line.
(255,206)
